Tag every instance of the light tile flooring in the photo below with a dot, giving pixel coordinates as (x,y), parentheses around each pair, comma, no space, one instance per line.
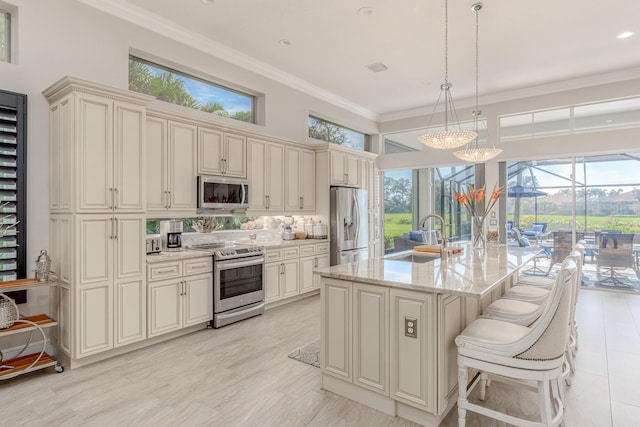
(240,375)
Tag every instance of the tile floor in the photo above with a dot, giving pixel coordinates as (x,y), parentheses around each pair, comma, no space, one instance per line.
(240,375)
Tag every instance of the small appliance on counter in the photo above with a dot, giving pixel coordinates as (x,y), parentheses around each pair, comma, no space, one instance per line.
(287,233)
(171,235)
(154,245)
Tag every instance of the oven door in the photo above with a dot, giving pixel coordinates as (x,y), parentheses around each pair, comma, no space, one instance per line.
(237,283)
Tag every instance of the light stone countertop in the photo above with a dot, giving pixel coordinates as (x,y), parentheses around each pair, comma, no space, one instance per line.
(470,274)
(192,253)
(177,255)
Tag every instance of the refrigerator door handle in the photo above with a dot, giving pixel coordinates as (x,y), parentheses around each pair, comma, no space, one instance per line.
(357,206)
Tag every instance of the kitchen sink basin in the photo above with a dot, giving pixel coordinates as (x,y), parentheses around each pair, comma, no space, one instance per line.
(415,257)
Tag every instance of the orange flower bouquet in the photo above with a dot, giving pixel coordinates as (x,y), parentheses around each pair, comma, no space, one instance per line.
(476,203)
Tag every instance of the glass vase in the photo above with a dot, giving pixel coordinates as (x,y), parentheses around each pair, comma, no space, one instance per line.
(479,233)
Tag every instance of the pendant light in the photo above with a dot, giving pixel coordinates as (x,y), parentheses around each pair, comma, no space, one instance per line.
(472,153)
(449,138)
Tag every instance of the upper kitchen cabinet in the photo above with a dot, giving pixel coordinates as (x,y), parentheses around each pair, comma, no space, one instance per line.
(300,180)
(221,153)
(265,175)
(97,141)
(344,168)
(171,167)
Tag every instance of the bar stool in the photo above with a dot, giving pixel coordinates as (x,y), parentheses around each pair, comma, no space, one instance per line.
(519,355)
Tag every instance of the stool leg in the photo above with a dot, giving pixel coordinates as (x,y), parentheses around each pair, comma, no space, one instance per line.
(463,378)
(483,385)
(544,396)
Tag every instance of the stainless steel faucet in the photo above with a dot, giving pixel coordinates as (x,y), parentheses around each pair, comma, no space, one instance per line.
(444,253)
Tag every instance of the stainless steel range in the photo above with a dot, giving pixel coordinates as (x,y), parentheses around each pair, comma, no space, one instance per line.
(238,281)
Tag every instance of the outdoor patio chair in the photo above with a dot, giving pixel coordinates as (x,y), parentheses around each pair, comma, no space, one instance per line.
(536,231)
(509,229)
(615,251)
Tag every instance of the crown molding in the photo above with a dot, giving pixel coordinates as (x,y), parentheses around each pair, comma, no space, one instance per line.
(157,24)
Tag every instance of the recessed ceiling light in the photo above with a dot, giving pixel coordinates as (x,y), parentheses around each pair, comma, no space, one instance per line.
(608,121)
(625,35)
(284,42)
(377,67)
(207,1)
(365,11)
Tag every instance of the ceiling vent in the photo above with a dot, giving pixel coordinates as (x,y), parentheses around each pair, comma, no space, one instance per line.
(377,67)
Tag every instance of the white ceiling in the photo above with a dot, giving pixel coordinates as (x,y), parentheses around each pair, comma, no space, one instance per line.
(524,47)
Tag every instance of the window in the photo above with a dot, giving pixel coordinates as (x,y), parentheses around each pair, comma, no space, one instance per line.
(331,132)
(5,36)
(181,89)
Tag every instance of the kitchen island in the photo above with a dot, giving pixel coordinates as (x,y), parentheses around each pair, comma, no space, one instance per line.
(389,324)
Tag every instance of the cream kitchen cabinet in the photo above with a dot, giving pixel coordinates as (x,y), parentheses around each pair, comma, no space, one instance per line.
(179,294)
(109,291)
(300,181)
(370,181)
(311,258)
(281,271)
(171,167)
(97,145)
(355,348)
(221,153)
(344,168)
(265,175)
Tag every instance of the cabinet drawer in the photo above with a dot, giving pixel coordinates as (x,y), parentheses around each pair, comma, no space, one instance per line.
(273,255)
(198,265)
(307,250)
(290,253)
(322,248)
(168,270)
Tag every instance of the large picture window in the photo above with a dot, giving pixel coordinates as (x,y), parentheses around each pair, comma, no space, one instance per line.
(182,89)
(331,132)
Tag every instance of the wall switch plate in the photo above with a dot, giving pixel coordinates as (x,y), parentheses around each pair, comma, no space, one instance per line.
(493,222)
(410,327)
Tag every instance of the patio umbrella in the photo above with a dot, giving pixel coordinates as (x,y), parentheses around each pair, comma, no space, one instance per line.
(519,191)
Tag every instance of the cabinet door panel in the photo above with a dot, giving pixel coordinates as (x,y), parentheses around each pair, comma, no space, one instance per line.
(322,262)
(182,157)
(95,248)
(272,282)
(165,307)
(256,173)
(129,157)
(95,150)
(290,277)
(353,171)
(306,274)
(131,248)
(338,171)
(198,299)
(95,319)
(209,151)
(130,312)
(64,319)
(157,166)
(335,355)
(308,180)
(292,179)
(60,160)
(235,155)
(275,176)
(371,337)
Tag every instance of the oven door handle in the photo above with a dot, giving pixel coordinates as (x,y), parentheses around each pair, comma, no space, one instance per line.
(226,265)
(221,316)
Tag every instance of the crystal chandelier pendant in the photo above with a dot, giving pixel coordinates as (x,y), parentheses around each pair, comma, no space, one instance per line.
(473,153)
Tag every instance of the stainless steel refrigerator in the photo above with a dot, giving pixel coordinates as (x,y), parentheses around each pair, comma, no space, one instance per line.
(349,225)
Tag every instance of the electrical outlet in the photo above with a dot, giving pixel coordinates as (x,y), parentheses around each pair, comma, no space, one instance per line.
(410,327)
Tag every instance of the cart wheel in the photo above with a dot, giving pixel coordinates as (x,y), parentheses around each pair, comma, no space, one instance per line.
(59,369)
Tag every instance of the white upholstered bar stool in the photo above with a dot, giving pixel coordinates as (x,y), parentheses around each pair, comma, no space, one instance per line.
(520,355)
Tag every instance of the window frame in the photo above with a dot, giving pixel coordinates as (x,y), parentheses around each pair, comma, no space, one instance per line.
(253,97)
(8,34)
(366,146)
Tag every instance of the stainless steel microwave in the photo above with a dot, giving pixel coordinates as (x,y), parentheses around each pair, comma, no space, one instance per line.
(216,192)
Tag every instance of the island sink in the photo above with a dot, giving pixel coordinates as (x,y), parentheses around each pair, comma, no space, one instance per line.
(414,257)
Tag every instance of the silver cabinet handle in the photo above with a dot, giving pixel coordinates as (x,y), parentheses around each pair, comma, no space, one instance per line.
(301,202)
(111,236)
(267,202)
(166,200)
(116,227)
(111,193)
(184,288)
(169,199)
(116,205)
(315,263)
(166,270)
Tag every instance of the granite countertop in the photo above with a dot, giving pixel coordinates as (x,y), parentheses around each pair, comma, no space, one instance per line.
(471,273)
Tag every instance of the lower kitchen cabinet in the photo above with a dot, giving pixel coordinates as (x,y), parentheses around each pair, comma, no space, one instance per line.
(176,300)
(281,280)
(308,280)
